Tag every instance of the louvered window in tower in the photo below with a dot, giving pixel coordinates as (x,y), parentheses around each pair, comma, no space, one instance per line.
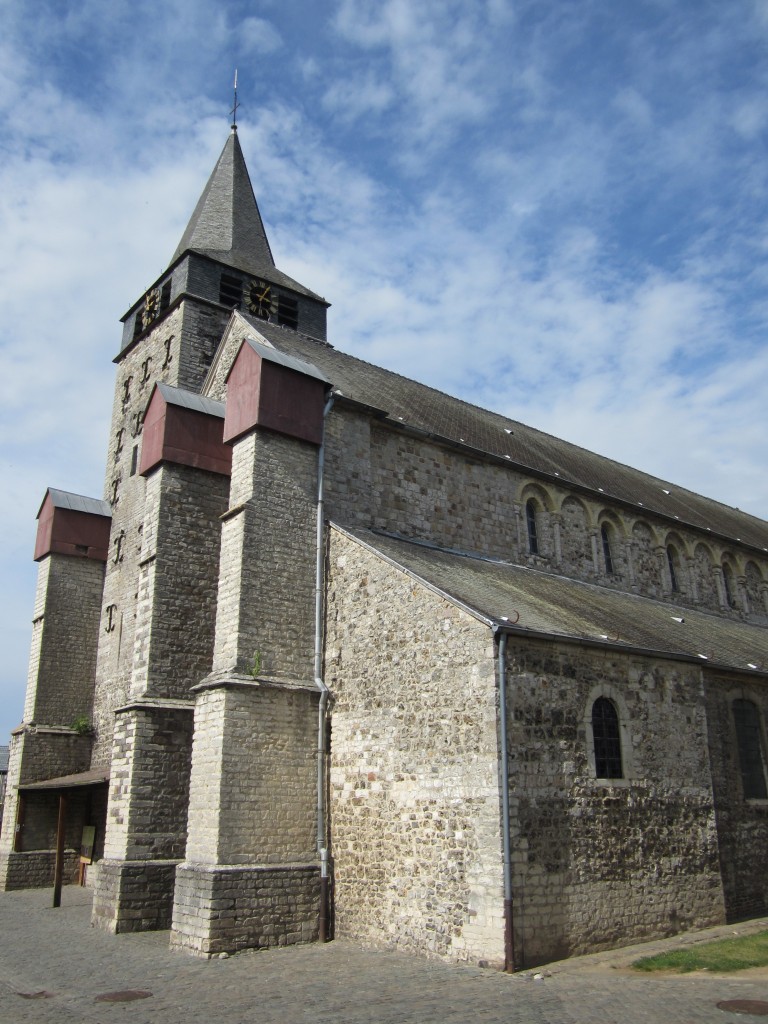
(287,312)
(230,291)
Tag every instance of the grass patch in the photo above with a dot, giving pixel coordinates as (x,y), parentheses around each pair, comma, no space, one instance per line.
(735,954)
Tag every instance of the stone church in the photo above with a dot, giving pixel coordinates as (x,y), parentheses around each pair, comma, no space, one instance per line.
(338,654)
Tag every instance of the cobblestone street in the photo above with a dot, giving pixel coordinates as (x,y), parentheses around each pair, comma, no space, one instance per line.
(54,967)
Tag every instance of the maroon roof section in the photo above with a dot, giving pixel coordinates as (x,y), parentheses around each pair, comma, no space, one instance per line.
(185,429)
(267,388)
(71,524)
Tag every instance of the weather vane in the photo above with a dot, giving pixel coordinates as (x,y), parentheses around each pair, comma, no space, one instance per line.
(233,111)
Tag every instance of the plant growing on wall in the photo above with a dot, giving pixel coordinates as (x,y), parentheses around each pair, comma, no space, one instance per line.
(256,666)
(82,725)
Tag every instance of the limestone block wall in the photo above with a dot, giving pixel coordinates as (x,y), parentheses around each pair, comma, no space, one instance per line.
(178,577)
(152,744)
(35,870)
(265,613)
(64,638)
(253,795)
(602,862)
(149,783)
(202,329)
(229,908)
(385,478)
(348,466)
(155,357)
(176,351)
(742,823)
(415,807)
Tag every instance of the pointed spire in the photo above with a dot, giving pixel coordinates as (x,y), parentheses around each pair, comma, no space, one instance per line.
(226,224)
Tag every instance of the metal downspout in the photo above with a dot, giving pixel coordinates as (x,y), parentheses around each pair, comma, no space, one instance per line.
(509,936)
(322,846)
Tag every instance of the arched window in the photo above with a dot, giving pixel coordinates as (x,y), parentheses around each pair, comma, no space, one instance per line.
(530,517)
(672,561)
(728,585)
(607,740)
(606,539)
(751,761)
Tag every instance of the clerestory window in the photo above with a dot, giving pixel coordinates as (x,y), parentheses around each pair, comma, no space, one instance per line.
(607,556)
(530,517)
(672,561)
(728,585)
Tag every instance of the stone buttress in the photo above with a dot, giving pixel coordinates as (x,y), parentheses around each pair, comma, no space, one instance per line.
(186,468)
(251,873)
(54,738)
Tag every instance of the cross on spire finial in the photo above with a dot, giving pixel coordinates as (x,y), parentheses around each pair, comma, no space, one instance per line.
(233,111)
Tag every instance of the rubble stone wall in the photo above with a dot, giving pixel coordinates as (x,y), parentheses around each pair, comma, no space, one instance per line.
(383,478)
(742,823)
(602,862)
(415,806)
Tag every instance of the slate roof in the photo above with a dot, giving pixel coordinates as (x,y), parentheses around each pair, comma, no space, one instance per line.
(526,601)
(273,355)
(77,503)
(189,400)
(404,402)
(226,224)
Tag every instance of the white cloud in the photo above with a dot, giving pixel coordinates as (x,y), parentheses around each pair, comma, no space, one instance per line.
(259,35)
(358,96)
(555,214)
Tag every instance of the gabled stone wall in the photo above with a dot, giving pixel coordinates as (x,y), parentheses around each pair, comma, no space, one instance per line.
(415,806)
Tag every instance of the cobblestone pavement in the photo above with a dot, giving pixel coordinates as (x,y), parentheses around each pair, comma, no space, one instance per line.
(53,966)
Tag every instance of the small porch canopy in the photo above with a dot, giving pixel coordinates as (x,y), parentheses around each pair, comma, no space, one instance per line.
(94,777)
(63,784)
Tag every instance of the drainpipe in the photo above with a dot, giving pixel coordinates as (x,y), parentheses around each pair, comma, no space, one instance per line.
(509,937)
(322,846)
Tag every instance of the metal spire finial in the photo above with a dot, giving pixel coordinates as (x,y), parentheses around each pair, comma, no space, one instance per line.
(233,111)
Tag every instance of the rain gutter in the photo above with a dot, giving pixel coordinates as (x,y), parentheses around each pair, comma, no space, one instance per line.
(322,751)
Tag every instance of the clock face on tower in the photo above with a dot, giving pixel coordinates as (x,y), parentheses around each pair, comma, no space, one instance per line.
(151,307)
(261,301)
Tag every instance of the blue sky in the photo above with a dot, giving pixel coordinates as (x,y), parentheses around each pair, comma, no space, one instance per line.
(556,210)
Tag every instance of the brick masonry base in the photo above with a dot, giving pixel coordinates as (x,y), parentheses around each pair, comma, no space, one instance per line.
(223,909)
(34,869)
(133,895)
